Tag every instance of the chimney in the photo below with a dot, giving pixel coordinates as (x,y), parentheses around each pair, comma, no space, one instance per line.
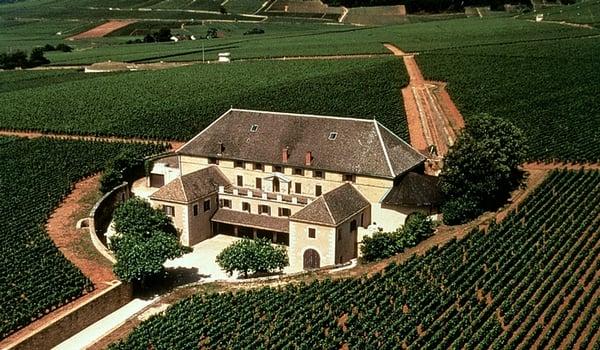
(221,148)
(285,154)
(308,159)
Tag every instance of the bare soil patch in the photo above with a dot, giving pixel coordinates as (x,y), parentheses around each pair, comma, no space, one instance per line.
(101,30)
(433,119)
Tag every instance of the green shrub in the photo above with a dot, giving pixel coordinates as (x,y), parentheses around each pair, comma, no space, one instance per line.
(251,256)
(385,244)
(110,179)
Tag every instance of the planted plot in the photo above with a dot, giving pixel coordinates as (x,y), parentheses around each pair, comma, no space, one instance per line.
(35,175)
(546,88)
(178,103)
(531,281)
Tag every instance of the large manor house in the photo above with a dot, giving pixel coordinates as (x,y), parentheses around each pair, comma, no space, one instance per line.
(316,184)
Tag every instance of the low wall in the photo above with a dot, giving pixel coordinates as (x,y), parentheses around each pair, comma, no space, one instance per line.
(101,214)
(79,318)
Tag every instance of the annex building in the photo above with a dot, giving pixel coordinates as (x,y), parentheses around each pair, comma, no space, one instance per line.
(316,184)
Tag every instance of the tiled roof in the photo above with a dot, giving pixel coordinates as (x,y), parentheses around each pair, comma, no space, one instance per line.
(415,190)
(360,146)
(333,207)
(262,222)
(192,186)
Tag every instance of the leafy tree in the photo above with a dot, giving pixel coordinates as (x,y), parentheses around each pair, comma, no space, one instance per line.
(145,238)
(251,256)
(49,47)
(110,179)
(13,60)
(36,57)
(163,34)
(149,38)
(481,168)
(385,244)
(64,47)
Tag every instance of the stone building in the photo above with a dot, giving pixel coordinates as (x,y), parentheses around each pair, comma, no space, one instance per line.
(312,183)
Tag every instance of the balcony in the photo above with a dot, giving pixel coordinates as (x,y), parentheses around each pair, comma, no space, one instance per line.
(260,194)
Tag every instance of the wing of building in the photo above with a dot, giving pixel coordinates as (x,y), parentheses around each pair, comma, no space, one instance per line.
(313,183)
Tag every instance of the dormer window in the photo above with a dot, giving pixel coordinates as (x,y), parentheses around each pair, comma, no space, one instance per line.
(332,136)
(253,128)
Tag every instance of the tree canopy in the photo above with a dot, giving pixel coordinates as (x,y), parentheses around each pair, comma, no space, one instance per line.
(145,238)
(251,256)
(385,244)
(481,168)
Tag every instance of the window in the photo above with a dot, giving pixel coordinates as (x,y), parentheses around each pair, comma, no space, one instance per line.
(349,177)
(238,164)
(318,190)
(277,169)
(225,203)
(299,171)
(312,233)
(339,234)
(353,225)
(169,210)
(332,136)
(317,173)
(285,212)
(207,205)
(246,207)
(264,209)
(213,161)
(240,180)
(258,166)
(195,209)
(259,183)
(298,187)
(253,128)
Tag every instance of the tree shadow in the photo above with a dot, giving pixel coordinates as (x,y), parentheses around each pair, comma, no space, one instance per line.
(172,278)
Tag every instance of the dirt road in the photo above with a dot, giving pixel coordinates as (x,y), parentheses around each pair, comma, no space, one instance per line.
(101,30)
(433,119)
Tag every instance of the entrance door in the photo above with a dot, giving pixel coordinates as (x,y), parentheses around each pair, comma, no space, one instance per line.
(157,180)
(275,184)
(311,259)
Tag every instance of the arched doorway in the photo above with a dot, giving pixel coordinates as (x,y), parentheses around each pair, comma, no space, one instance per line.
(312,260)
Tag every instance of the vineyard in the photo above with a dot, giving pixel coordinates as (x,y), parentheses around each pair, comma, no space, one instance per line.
(34,177)
(188,99)
(531,281)
(555,104)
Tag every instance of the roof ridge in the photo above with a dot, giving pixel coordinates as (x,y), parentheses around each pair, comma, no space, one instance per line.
(401,139)
(328,210)
(385,153)
(288,114)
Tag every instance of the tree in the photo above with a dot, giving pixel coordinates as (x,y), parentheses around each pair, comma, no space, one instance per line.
(145,238)
(13,60)
(64,47)
(110,179)
(163,34)
(149,38)
(481,168)
(251,256)
(385,244)
(36,57)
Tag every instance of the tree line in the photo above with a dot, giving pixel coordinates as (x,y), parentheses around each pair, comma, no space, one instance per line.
(429,6)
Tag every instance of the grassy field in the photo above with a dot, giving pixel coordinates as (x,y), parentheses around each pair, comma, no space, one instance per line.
(178,103)
(36,175)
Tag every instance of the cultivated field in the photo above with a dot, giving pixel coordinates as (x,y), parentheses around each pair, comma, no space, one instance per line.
(531,281)
(190,98)
(36,175)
